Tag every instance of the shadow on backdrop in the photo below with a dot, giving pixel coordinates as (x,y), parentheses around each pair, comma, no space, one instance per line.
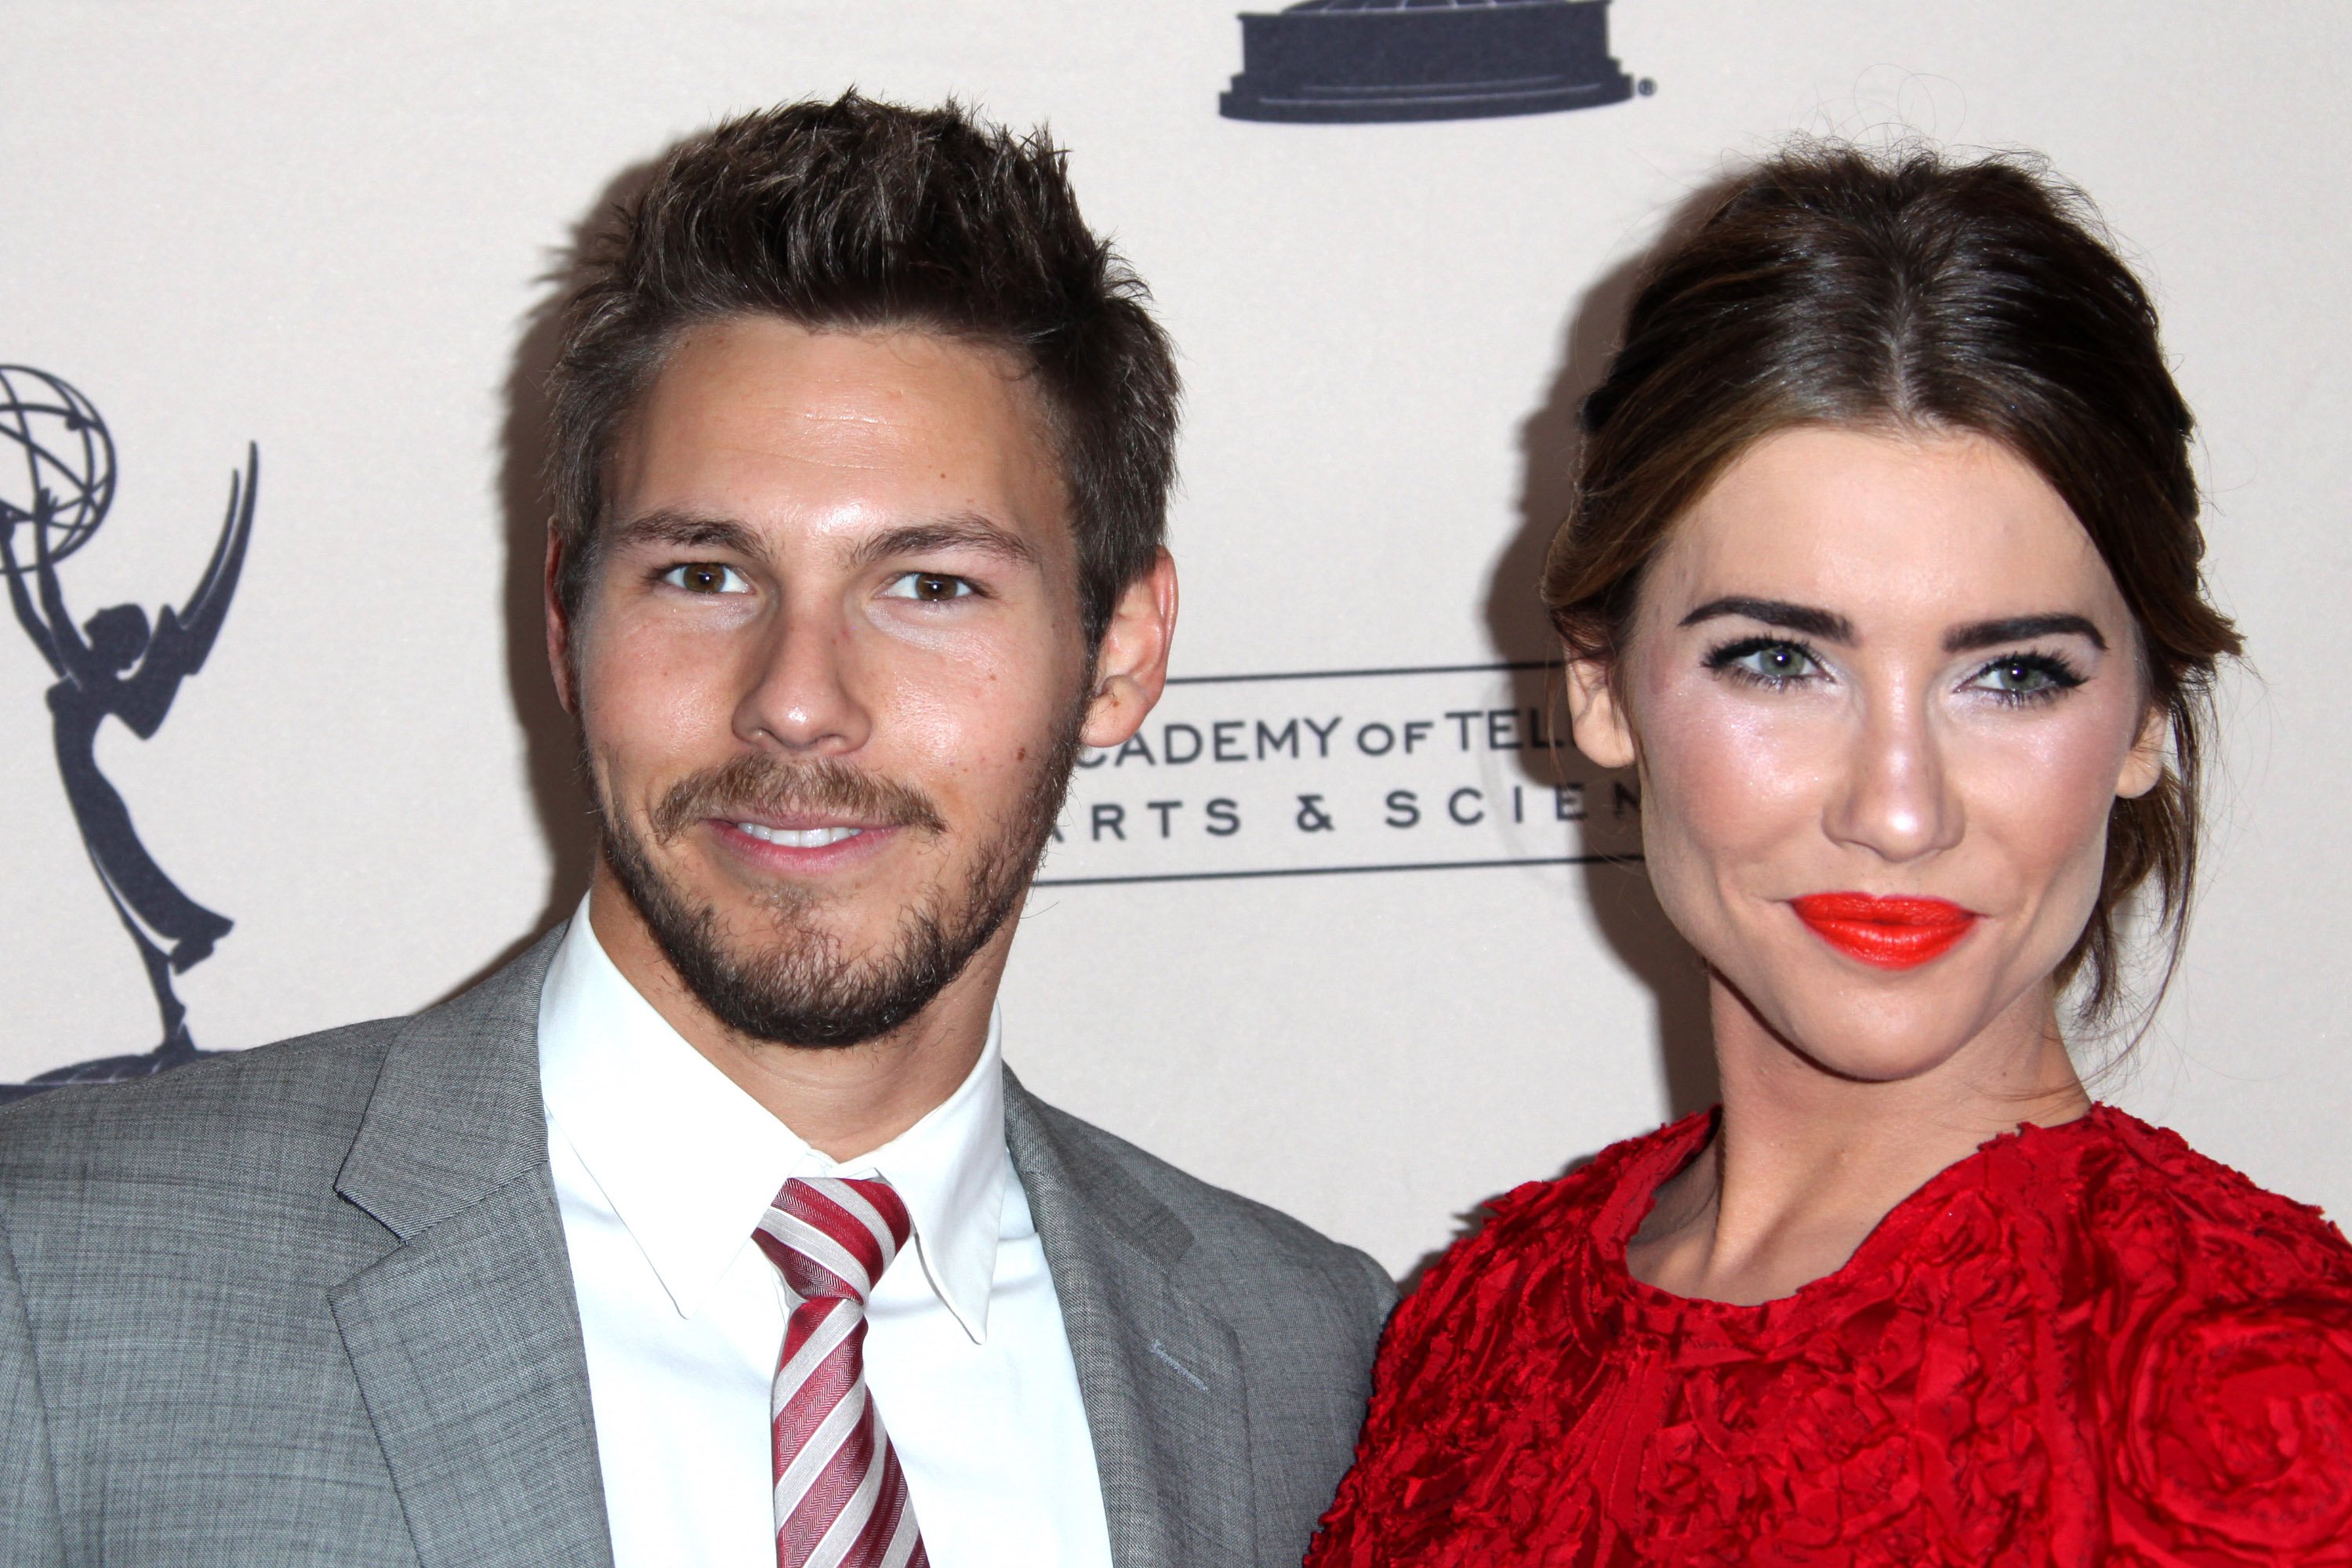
(1623,906)
(552,758)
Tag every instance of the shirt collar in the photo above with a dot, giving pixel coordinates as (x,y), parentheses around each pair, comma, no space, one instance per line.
(689,1161)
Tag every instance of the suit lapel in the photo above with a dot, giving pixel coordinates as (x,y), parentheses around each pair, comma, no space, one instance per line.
(465,1338)
(1160,1374)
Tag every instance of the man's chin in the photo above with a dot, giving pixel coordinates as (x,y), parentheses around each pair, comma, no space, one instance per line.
(806,993)
(795,966)
(814,937)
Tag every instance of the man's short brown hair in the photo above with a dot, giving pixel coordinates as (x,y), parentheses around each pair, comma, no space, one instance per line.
(859,215)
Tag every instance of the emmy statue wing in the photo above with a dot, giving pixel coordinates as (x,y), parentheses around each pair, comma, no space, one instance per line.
(186,636)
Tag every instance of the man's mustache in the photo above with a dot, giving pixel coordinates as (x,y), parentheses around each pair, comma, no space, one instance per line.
(757,785)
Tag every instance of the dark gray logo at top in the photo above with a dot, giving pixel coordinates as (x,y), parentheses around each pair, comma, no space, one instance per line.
(57,487)
(1326,61)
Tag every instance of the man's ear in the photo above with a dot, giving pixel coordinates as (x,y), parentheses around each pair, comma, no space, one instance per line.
(1131,665)
(2144,764)
(1597,716)
(558,627)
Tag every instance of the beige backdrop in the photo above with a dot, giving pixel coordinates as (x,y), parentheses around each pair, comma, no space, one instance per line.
(325,229)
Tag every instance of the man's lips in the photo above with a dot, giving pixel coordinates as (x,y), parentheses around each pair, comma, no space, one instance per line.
(815,835)
(1886,933)
(798,843)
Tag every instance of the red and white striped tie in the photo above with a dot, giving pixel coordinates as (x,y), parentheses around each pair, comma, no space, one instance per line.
(841,1499)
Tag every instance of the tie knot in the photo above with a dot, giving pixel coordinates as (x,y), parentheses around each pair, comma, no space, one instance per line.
(831,1237)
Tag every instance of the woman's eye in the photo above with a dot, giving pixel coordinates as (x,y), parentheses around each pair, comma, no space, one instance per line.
(1770,663)
(2024,676)
(928,586)
(705,577)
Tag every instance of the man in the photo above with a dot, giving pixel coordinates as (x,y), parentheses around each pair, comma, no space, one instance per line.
(713,1231)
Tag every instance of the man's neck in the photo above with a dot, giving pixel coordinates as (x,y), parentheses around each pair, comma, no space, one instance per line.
(842,1100)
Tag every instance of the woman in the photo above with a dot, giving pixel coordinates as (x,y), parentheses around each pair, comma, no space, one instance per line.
(1882,572)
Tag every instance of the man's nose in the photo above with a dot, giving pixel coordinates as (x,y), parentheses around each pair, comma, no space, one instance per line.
(801,687)
(1895,798)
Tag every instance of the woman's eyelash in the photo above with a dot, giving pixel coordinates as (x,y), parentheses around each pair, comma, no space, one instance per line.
(2014,678)
(1743,646)
(2026,677)
(1796,661)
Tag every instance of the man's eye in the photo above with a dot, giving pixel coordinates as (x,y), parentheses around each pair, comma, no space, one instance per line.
(928,586)
(705,577)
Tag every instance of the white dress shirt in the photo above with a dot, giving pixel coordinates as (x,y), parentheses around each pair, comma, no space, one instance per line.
(663,1166)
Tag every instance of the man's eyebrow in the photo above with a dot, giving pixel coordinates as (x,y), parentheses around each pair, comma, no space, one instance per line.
(969,530)
(686,531)
(2020,628)
(1826,625)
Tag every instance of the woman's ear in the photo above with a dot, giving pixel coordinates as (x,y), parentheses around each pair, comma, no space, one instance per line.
(2144,764)
(1596,716)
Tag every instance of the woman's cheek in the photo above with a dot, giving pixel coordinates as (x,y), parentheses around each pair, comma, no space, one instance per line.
(1730,785)
(1741,772)
(2038,804)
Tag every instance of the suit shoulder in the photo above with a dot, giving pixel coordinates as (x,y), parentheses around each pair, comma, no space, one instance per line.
(216,1111)
(1229,1232)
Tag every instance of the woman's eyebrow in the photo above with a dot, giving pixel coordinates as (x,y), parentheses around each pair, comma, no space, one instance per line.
(1978,634)
(1826,625)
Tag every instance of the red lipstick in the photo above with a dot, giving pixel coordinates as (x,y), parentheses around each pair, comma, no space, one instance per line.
(1887,933)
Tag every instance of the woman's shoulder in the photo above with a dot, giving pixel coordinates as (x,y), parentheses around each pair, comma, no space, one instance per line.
(1593,1197)
(2153,1205)
(2221,1333)
(1534,1251)
(1483,1343)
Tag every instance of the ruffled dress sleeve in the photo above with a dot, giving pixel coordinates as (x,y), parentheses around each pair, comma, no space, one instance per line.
(2228,1372)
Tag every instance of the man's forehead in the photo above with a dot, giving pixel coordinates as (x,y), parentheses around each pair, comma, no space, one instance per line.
(754,415)
(851,392)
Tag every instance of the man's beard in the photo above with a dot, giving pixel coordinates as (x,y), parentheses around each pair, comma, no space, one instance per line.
(797,986)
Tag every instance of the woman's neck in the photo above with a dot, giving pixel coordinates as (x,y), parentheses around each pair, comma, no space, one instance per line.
(1804,1163)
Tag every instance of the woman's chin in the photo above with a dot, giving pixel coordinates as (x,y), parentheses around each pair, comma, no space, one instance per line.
(1858,1056)
(1845,1033)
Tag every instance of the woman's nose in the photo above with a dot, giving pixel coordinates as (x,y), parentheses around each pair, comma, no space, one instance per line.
(1893,799)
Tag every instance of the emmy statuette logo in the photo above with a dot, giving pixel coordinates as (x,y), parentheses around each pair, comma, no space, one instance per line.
(115,664)
(1324,61)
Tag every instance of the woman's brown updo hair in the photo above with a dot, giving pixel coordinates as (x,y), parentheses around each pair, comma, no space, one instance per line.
(1906,292)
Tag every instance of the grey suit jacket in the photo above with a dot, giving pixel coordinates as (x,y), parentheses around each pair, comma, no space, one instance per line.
(309,1304)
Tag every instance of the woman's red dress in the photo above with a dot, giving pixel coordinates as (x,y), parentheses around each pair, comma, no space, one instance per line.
(2081,1344)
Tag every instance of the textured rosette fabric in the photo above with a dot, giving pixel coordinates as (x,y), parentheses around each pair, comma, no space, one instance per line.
(2081,1344)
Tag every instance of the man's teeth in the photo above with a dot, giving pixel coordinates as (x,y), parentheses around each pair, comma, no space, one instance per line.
(799,839)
